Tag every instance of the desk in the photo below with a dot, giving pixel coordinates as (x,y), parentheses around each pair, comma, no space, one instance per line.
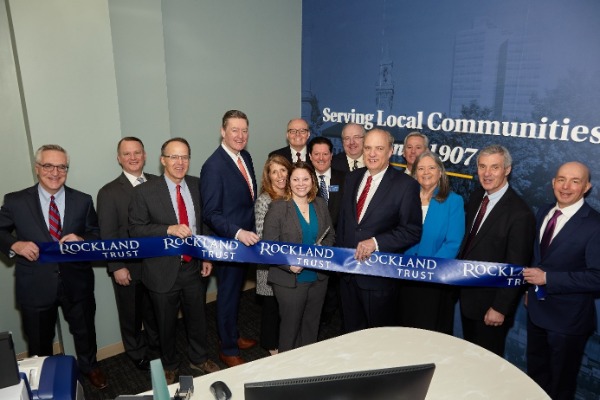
(463,370)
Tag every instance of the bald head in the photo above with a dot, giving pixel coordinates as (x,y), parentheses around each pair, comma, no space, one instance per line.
(571,183)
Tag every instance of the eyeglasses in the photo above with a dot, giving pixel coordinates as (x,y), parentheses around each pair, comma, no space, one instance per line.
(355,138)
(62,169)
(297,131)
(175,157)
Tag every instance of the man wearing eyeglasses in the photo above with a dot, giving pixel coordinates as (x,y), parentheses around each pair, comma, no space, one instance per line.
(170,205)
(298,133)
(353,138)
(133,304)
(50,211)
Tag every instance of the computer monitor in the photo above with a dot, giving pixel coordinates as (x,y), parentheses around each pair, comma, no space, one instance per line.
(400,383)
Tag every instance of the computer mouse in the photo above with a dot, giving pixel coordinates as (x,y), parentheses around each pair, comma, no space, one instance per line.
(220,390)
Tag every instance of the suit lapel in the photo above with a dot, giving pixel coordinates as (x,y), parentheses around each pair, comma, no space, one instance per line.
(380,194)
(291,209)
(164,197)
(235,170)
(570,229)
(195,193)
(503,206)
(35,206)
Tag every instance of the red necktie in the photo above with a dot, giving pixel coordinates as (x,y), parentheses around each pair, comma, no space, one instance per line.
(183,217)
(548,232)
(363,197)
(476,224)
(54,221)
(243,171)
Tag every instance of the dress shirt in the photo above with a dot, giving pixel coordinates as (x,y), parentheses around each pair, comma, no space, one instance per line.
(375,181)
(59,199)
(302,154)
(493,200)
(326,177)
(234,157)
(187,197)
(359,164)
(567,213)
(134,179)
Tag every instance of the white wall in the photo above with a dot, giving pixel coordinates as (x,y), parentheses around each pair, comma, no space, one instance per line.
(95,71)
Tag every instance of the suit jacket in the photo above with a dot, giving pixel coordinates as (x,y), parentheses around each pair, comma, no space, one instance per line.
(393,217)
(227,202)
(113,216)
(282,224)
(338,179)
(443,229)
(506,236)
(340,162)
(572,274)
(151,212)
(36,283)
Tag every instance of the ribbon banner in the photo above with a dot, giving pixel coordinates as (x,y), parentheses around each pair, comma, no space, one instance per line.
(397,266)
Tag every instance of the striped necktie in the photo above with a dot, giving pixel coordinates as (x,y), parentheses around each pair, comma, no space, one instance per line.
(54,221)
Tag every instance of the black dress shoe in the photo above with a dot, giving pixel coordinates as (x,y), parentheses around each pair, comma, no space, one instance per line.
(142,364)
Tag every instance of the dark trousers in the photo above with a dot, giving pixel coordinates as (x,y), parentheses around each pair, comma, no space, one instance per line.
(553,360)
(189,295)
(135,310)
(230,278)
(364,308)
(39,327)
(269,322)
(492,338)
(300,312)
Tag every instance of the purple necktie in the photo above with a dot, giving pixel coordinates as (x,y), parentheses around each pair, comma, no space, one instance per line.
(548,232)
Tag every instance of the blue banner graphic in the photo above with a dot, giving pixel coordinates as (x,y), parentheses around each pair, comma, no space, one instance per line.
(397,266)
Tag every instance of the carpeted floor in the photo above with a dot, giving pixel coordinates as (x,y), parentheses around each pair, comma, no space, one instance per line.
(124,378)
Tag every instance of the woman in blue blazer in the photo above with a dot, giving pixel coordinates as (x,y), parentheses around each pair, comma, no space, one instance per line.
(430,305)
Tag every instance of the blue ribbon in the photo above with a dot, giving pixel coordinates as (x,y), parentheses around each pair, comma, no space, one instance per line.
(397,266)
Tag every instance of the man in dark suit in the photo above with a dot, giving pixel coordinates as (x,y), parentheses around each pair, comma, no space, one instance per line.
(500,228)
(353,137)
(298,133)
(565,259)
(50,211)
(171,205)
(331,188)
(381,211)
(228,188)
(133,304)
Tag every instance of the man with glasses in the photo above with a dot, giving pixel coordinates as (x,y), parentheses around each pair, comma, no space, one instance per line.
(133,304)
(170,205)
(353,137)
(298,133)
(50,211)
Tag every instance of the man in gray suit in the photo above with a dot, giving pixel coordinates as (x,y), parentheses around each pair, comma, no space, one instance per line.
(133,303)
(170,205)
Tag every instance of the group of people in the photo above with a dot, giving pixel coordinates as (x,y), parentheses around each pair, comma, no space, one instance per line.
(354,199)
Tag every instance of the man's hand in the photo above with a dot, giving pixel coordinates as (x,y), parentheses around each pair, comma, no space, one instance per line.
(247,237)
(122,276)
(364,249)
(493,318)
(535,276)
(181,231)
(295,269)
(71,237)
(29,250)
(206,268)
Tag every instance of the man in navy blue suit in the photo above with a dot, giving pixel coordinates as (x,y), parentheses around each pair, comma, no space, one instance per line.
(228,188)
(380,211)
(565,260)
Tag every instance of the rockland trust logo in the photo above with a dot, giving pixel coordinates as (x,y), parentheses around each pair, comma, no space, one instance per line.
(125,248)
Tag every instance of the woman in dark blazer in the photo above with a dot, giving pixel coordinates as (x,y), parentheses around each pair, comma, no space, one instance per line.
(430,305)
(301,218)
